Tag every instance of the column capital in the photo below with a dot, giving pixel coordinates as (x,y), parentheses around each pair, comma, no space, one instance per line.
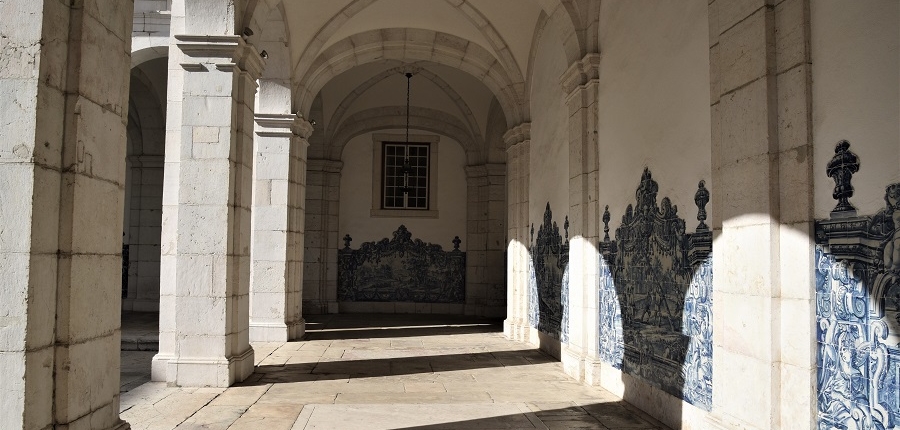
(282,125)
(226,52)
(517,134)
(581,72)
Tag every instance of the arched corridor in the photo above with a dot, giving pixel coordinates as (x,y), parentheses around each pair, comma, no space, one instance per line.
(691,204)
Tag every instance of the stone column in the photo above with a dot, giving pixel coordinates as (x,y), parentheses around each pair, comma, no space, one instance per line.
(581,84)
(762,211)
(485,239)
(276,272)
(321,238)
(205,264)
(518,149)
(62,169)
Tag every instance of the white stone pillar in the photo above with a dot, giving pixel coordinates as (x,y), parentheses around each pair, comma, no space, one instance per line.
(276,272)
(485,239)
(518,147)
(581,84)
(205,263)
(62,170)
(762,211)
(321,236)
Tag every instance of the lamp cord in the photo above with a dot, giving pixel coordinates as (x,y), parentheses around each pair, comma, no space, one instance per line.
(408,79)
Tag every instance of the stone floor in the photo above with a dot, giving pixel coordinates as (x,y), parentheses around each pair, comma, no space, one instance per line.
(384,372)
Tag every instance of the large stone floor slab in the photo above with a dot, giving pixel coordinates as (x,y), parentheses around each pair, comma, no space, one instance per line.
(385,372)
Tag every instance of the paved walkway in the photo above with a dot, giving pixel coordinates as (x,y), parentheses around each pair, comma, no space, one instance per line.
(410,372)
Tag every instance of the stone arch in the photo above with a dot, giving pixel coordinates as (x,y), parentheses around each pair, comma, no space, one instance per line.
(157,49)
(574,45)
(494,146)
(501,49)
(584,17)
(547,24)
(461,104)
(305,61)
(412,45)
(145,109)
(420,118)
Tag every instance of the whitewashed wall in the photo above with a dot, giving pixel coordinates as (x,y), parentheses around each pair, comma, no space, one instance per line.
(654,112)
(549,180)
(654,102)
(856,96)
(356,196)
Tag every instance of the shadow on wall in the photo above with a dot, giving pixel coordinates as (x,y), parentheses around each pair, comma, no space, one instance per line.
(656,297)
(857,286)
(548,267)
(655,294)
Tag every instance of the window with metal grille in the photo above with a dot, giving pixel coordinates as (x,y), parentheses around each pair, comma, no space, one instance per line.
(405,176)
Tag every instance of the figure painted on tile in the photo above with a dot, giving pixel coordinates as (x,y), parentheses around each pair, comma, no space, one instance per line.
(887,280)
(656,296)
(847,388)
(892,247)
(401,269)
(550,259)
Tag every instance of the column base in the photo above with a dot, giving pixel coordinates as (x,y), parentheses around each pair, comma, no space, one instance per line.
(517,330)
(121,426)
(509,329)
(572,360)
(159,366)
(593,369)
(219,372)
(277,332)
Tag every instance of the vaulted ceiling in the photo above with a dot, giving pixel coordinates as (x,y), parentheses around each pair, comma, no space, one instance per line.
(343,58)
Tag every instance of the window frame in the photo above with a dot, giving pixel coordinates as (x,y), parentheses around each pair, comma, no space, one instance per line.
(380,140)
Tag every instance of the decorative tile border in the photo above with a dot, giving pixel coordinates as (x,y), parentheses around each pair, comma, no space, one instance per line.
(549,278)
(656,296)
(857,284)
(401,270)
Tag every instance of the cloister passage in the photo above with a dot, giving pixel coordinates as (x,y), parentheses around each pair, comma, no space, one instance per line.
(692,204)
(365,371)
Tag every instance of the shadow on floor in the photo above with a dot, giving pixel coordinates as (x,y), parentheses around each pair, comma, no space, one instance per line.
(540,415)
(357,326)
(617,415)
(317,332)
(317,370)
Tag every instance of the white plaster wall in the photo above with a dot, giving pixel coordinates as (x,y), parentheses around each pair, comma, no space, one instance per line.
(654,102)
(653,111)
(856,96)
(356,197)
(549,171)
